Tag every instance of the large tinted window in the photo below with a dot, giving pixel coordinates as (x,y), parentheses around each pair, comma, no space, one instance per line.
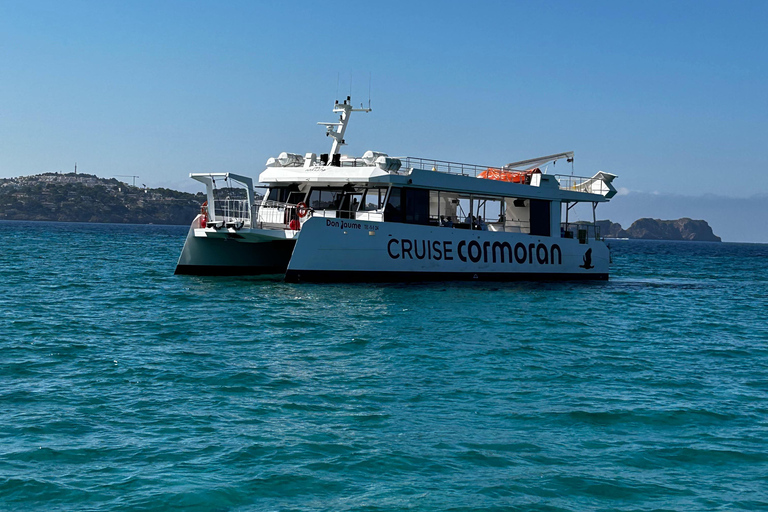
(540,216)
(393,211)
(325,198)
(416,206)
(409,205)
(281,194)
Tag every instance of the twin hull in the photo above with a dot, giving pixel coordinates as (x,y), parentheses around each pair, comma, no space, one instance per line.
(347,250)
(233,254)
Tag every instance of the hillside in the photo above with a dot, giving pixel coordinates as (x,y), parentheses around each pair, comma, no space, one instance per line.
(87,198)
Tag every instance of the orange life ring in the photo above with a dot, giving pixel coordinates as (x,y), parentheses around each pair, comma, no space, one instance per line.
(204,213)
(301,209)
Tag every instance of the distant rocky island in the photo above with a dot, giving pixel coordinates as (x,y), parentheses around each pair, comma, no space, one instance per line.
(655,229)
(73,197)
(78,197)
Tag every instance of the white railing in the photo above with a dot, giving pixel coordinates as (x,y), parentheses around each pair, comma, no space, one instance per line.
(582,184)
(567,182)
(232,211)
(442,166)
(277,215)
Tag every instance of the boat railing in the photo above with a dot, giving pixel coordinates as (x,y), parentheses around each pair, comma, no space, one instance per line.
(280,215)
(567,182)
(582,184)
(276,215)
(442,166)
(231,212)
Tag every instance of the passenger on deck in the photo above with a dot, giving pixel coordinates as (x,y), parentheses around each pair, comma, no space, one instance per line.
(481,225)
(446,222)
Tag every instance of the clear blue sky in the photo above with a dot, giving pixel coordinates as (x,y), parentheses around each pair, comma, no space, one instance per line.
(671,96)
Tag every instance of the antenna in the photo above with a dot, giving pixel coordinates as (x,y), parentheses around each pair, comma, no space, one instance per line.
(336,130)
(127,176)
(75,167)
(369,89)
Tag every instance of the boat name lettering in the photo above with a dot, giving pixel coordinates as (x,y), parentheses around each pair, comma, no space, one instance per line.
(475,251)
(345,224)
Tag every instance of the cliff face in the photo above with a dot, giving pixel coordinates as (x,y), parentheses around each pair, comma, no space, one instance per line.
(610,229)
(656,229)
(696,230)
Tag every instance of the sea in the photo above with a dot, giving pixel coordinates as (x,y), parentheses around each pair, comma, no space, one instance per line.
(126,387)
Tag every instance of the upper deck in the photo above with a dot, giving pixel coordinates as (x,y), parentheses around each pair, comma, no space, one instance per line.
(378,168)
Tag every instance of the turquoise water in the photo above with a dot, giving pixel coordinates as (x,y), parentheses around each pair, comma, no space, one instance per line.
(124,387)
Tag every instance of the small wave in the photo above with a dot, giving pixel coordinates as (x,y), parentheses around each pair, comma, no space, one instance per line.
(660,418)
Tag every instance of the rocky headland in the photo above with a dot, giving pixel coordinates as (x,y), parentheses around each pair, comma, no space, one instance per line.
(656,229)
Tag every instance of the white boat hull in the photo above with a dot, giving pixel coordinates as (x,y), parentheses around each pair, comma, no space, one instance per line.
(344,250)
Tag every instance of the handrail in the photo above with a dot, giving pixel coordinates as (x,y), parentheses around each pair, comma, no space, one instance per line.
(442,166)
(566,181)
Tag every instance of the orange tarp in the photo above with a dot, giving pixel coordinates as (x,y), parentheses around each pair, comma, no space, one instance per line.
(509,176)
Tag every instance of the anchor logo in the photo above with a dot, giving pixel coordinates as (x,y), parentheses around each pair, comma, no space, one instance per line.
(587,260)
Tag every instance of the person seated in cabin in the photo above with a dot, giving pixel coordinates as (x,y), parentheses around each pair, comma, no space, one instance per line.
(446,222)
(470,220)
(481,225)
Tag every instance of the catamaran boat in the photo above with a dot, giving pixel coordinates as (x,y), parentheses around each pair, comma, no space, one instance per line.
(332,217)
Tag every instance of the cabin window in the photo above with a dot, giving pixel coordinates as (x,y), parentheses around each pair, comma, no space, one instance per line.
(492,210)
(325,198)
(444,207)
(517,215)
(355,199)
(489,213)
(348,202)
(416,206)
(540,217)
(393,210)
(282,194)
(295,197)
(373,199)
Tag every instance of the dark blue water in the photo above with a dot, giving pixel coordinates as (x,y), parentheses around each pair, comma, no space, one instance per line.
(124,387)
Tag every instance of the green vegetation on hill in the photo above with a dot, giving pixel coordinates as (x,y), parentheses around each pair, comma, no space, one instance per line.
(87,198)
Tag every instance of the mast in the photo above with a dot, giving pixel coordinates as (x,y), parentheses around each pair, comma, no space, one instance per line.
(336,130)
